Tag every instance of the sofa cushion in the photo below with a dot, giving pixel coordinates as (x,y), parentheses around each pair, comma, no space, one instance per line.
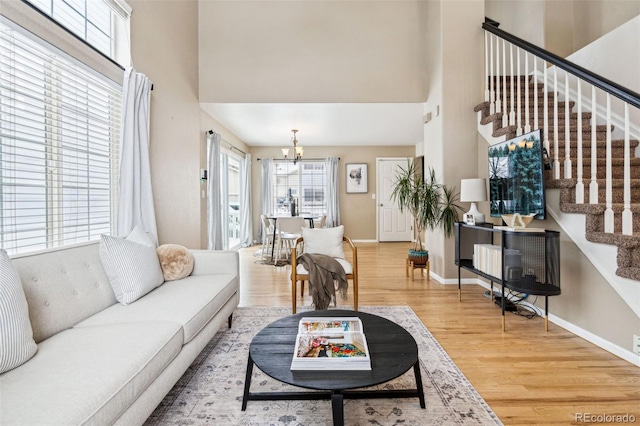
(88,375)
(63,287)
(191,301)
(131,264)
(327,241)
(16,336)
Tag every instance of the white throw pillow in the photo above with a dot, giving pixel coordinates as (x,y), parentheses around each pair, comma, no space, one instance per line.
(16,335)
(131,264)
(324,241)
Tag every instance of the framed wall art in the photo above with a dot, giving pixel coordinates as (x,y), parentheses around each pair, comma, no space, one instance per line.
(356,178)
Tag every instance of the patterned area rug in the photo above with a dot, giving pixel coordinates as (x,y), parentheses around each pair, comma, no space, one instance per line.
(210,392)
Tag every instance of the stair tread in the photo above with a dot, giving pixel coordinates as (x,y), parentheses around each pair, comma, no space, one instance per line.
(616,239)
(630,272)
(570,183)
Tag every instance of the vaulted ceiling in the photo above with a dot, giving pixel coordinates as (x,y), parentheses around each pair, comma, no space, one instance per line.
(342,72)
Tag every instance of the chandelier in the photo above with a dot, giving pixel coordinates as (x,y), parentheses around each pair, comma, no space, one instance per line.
(297,150)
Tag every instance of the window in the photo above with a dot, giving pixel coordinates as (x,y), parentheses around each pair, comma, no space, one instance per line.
(101,23)
(59,144)
(304,183)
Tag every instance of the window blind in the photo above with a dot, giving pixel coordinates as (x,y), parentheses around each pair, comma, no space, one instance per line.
(59,153)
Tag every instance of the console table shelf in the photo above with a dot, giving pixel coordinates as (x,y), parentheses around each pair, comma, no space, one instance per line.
(523,261)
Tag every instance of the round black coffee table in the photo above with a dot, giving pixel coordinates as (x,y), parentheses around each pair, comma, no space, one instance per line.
(392,349)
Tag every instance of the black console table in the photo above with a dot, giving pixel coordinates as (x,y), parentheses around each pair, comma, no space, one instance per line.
(520,260)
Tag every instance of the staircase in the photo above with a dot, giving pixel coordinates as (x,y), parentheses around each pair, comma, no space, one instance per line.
(628,246)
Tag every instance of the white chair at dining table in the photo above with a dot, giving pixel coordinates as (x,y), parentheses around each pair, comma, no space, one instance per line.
(289,230)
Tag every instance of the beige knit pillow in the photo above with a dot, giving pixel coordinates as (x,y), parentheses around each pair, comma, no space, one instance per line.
(176,261)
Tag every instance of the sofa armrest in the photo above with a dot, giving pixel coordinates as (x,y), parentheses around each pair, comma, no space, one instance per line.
(207,262)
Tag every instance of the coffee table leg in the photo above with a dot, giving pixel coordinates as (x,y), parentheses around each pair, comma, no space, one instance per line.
(337,401)
(416,372)
(247,383)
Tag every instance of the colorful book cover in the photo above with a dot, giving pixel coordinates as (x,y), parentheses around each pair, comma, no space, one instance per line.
(331,344)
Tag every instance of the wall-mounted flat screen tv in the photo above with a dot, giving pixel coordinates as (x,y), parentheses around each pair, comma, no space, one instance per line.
(516,176)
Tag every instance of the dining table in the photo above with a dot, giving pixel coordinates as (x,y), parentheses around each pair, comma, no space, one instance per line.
(274,219)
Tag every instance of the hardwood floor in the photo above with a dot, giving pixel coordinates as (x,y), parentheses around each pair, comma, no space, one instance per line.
(526,375)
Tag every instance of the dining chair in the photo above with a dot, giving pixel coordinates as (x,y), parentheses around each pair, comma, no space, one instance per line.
(289,230)
(267,237)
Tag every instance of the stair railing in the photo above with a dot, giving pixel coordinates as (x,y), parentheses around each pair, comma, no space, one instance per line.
(498,45)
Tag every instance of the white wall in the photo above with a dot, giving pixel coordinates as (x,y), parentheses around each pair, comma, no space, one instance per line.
(523,18)
(164,44)
(455,86)
(311,51)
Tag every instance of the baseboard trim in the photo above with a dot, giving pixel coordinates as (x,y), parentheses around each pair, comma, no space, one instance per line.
(364,241)
(596,340)
(452,281)
(616,350)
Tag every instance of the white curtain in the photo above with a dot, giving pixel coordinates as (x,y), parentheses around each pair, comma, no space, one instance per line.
(214,197)
(266,195)
(246,222)
(333,192)
(135,205)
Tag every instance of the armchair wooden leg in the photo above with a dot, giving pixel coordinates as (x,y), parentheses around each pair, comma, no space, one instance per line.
(355,293)
(302,288)
(293,295)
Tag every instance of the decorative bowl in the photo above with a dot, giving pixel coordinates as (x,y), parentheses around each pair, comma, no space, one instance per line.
(517,220)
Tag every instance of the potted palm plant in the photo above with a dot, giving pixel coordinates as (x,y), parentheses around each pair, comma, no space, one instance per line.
(432,205)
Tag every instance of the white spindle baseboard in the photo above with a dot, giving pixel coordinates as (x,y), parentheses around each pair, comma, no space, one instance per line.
(505,116)
(512,112)
(567,129)
(593,186)
(627,215)
(498,103)
(579,183)
(486,69)
(492,93)
(519,97)
(527,125)
(556,139)
(608,212)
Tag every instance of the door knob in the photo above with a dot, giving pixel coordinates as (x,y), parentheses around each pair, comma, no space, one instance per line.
(381,205)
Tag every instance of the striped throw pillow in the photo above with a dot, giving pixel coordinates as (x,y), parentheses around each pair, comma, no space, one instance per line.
(131,264)
(16,336)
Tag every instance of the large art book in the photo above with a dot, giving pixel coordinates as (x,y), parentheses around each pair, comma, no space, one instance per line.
(325,343)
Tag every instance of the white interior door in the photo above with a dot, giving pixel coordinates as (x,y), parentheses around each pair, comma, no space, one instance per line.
(392,224)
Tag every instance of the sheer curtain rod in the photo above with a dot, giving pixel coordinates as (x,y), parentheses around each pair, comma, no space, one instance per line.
(230,146)
(305,158)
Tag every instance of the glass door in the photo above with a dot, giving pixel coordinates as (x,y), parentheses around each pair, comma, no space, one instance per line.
(230,190)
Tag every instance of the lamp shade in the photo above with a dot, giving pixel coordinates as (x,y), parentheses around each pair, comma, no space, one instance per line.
(472,190)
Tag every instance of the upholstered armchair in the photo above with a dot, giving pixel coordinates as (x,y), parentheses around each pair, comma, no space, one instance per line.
(330,242)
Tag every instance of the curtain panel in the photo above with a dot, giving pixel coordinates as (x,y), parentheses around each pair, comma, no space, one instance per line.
(266,194)
(214,196)
(246,222)
(333,191)
(135,206)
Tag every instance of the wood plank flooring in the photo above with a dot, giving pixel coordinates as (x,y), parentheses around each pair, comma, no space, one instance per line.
(526,375)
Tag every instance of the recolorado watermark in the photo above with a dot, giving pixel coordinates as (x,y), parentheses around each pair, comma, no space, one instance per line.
(604,418)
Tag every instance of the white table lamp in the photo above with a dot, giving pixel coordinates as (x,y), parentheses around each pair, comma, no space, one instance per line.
(473,191)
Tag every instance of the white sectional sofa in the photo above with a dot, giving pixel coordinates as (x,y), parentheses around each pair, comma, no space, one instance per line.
(98,361)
